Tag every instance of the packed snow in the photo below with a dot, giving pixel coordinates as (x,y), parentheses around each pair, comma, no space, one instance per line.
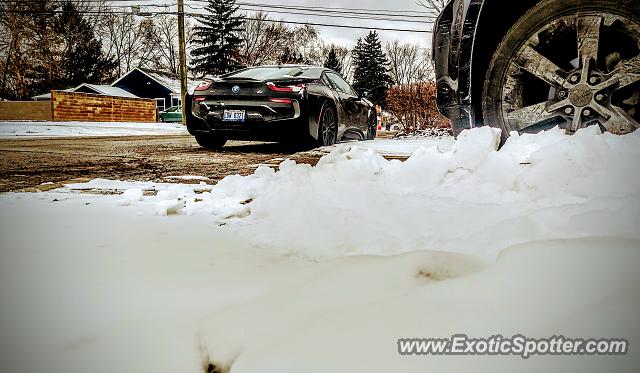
(17,130)
(400,148)
(322,269)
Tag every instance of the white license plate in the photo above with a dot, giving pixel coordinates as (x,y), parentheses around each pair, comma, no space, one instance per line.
(233,116)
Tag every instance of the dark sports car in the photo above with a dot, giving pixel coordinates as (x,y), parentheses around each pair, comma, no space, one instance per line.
(529,65)
(279,103)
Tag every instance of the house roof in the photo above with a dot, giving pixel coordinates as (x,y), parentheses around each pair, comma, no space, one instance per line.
(105,90)
(166,79)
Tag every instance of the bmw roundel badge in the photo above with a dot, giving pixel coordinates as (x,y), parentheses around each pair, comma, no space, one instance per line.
(235,89)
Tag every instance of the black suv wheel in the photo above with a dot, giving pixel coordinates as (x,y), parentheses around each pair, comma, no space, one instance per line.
(571,63)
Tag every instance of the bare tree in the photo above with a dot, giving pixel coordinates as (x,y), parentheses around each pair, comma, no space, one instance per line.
(408,63)
(164,43)
(414,105)
(263,41)
(26,46)
(306,41)
(127,40)
(433,6)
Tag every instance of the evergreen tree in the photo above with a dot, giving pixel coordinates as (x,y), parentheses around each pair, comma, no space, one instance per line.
(333,62)
(290,57)
(218,39)
(52,45)
(64,51)
(371,68)
(81,57)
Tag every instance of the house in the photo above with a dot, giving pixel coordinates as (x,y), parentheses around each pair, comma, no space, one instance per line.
(161,86)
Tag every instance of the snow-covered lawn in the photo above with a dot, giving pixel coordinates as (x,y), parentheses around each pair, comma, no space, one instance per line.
(322,269)
(16,130)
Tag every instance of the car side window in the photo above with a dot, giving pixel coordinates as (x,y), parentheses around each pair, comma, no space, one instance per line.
(327,82)
(340,84)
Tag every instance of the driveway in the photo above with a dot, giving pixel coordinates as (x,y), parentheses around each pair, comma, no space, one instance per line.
(27,163)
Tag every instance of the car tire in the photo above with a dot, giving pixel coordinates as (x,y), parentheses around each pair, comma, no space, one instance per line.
(211,141)
(327,125)
(533,84)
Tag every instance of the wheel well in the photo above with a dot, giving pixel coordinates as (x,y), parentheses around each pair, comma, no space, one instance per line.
(314,116)
(496,18)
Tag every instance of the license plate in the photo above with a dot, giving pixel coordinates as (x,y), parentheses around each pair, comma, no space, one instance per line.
(233,116)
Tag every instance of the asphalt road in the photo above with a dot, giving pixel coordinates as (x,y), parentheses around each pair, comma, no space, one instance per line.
(27,163)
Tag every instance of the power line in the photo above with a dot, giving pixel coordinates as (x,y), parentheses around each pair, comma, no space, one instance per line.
(200,15)
(314,9)
(346,16)
(254,4)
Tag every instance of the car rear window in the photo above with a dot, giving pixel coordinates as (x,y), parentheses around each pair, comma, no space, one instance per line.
(272,72)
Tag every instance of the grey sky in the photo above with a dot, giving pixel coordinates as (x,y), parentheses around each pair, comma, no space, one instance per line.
(348,37)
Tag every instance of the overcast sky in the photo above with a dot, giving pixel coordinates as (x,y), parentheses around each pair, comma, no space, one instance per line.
(348,37)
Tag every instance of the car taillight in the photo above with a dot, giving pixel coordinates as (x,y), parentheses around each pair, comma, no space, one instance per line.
(290,88)
(203,86)
(281,100)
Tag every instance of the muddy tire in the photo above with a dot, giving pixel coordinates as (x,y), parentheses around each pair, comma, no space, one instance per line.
(211,141)
(572,64)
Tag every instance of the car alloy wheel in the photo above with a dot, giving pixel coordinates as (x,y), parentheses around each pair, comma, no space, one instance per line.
(576,69)
(328,125)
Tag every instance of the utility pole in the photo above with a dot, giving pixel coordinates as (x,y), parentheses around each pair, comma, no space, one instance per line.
(183,59)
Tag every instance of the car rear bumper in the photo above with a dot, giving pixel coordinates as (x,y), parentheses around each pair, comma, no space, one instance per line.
(264,120)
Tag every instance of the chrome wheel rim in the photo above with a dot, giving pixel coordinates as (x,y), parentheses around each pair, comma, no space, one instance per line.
(577,71)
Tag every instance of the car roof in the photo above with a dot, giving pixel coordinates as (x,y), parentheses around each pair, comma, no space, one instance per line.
(311,71)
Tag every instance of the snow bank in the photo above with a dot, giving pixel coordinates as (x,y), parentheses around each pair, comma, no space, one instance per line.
(346,316)
(538,239)
(403,147)
(15,130)
(470,199)
(121,186)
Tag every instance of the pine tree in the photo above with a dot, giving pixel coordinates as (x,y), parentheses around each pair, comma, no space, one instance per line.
(333,62)
(371,68)
(81,58)
(64,51)
(290,57)
(218,39)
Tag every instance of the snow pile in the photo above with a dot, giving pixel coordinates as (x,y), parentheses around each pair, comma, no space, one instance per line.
(106,186)
(398,147)
(17,130)
(538,239)
(356,202)
(346,315)
(130,196)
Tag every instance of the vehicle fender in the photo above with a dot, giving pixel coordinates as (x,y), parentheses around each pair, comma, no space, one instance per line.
(315,98)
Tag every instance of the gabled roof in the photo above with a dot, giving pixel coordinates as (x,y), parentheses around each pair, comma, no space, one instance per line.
(106,90)
(166,79)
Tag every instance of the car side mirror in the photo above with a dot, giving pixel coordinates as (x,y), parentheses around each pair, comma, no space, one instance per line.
(363,93)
